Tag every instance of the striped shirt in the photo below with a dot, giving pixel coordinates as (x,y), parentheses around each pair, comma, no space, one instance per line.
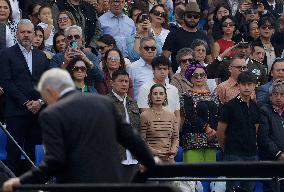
(160,132)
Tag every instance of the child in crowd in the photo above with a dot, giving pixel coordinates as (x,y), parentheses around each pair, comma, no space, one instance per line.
(46,22)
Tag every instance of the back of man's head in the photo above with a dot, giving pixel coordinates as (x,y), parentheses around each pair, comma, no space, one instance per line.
(57,79)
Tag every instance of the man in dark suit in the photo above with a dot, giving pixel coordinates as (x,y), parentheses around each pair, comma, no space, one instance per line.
(80,133)
(21,67)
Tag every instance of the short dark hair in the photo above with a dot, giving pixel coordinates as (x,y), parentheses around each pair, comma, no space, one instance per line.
(246,77)
(117,73)
(256,44)
(107,39)
(160,60)
(267,19)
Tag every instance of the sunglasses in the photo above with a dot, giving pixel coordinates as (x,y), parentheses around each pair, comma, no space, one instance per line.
(190,15)
(110,58)
(63,19)
(82,68)
(146,48)
(231,24)
(101,47)
(243,68)
(267,27)
(199,75)
(158,13)
(186,61)
(70,37)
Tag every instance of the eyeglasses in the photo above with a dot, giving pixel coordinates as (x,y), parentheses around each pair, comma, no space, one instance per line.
(77,69)
(110,58)
(101,47)
(199,75)
(147,48)
(190,15)
(70,37)
(240,67)
(231,24)
(158,13)
(186,61)
(63,19)
(267,27)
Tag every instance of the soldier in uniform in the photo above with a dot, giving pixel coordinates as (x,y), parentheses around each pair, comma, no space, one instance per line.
(255,64)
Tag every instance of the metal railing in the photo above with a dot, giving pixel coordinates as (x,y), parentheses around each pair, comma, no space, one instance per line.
(241,171)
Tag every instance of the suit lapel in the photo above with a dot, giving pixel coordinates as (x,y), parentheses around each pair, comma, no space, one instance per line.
(22,58)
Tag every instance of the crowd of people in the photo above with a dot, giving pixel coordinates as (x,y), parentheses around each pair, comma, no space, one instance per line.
(202,76)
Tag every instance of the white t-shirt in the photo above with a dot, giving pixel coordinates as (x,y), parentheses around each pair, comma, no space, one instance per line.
(49,41)
(172,95)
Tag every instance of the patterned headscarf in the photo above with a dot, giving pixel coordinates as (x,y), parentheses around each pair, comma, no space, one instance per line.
(191,68)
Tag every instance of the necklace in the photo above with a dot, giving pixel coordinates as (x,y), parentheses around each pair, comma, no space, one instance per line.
(157,114)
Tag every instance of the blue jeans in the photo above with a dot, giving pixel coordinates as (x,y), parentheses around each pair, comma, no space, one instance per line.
(249,186)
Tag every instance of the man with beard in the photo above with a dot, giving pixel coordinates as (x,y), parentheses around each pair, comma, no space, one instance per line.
(21,67)
(185,35)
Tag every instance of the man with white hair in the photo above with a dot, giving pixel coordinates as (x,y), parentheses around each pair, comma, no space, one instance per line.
(79,134)
(74,42)
(21,67)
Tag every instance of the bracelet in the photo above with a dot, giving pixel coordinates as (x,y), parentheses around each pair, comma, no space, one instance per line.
(137,36)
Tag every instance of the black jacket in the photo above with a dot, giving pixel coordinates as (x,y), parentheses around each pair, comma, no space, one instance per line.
(271,133)
(80,134)
(17,81)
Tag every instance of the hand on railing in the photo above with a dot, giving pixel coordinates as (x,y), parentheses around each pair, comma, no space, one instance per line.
(8,185)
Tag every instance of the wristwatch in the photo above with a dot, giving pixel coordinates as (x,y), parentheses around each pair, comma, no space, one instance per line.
(41,102)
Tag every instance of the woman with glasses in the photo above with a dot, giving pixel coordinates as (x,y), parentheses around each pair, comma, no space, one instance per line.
(159,22)
(112,61)
(267,28)
(159,128)
(200,109)
(143,30)
(78,70)
(222,10)
(107,42)
(228,28)
(65,19)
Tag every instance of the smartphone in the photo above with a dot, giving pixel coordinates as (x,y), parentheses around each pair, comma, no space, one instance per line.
(73,44)
(144,17)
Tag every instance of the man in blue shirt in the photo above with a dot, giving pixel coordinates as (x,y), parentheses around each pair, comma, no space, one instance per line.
(117,24)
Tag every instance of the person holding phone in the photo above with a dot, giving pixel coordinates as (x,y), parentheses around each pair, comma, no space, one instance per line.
(159,128)
(143,30)
(74,43)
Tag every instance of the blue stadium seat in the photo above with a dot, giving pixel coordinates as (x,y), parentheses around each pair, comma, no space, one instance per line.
(3,141)
(39,153)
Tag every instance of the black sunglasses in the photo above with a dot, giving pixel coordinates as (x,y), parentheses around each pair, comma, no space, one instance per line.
(191,15)
(231,24)
(188,61)
(70,37)
(197,75)
(150,48)
(82,68)
(158,13)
